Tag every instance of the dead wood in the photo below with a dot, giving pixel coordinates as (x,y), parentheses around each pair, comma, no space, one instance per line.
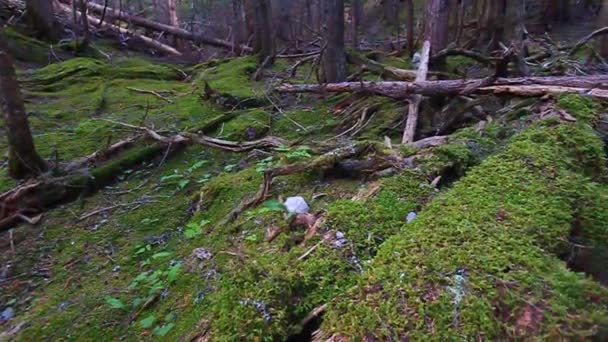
(159,27)
(414,104)
(588,85)
(587,38)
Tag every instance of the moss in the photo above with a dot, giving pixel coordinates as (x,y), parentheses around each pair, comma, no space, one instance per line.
(61,75)
(481,259)
(232,77)
(248,125)
(582,108)
(24,48)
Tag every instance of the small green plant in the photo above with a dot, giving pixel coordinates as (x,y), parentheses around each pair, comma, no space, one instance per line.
(264,164)
(193,229)
(301,153)
(114,302)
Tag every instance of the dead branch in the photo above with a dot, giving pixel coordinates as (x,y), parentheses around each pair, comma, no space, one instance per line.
(580,43)
(414,104)
(151,92)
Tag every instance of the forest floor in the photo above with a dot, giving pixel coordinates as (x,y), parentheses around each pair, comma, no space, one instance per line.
(477,235)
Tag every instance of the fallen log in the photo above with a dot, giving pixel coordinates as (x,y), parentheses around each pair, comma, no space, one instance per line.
(587,85)
(412,112)
(156,26)
(155,44)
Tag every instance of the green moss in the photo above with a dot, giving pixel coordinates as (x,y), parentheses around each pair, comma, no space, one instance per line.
(484,255)
(26,49)
(248,125)
(582,108)
(232,77)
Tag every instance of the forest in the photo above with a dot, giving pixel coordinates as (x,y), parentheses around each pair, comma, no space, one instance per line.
(303,170)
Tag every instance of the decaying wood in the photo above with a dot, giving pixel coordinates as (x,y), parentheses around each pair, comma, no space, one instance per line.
(431,142)
(587,85)
(156,26)
(153,43)
(580,43)
(414,104)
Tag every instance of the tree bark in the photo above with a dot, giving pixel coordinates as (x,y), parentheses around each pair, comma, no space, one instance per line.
(603,22)
(238,26)
(23,160)
(41,19)
(334,56)
(514,33)
(437,23)
(409,5)
(264,44)
(357,18)
(85,24)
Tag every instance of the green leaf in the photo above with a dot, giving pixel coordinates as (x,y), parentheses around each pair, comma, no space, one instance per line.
(273,205)
(252,238)
(114,302)
(147,322)
(164,330)
(230,167)
(197,165)
(171,177)
(192,230)
(161,255)
(183,183)
(174,272)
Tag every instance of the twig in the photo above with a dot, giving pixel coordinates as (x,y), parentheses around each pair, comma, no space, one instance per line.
(309,251)
(151,92)
(283,113)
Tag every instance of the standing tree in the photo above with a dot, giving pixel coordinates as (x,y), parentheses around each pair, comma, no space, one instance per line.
(334,56)
(85,24)
(41,19)
(23,159)
(357,19)
(515,28)
(264,38)
(238,26)
(166,13)
(409,5)
(603,22)
(437,24)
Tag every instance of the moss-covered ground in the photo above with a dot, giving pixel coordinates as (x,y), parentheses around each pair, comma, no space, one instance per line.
(151,257)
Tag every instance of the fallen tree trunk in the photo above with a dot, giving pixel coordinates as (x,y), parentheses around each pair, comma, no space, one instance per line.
(160,27)
(120,30)
(596,86)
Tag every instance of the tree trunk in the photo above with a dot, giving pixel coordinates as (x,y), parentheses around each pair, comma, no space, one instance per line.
(41,19)
(23,160)
(603,22)
(514,34)
(409,5)
(283,24)
(437,24)
(264,38)
(357,18)
(166,13)
(85,24)
(238,23)
(334,56)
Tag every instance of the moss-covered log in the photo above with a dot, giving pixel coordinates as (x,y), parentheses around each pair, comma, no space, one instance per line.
(482,260)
